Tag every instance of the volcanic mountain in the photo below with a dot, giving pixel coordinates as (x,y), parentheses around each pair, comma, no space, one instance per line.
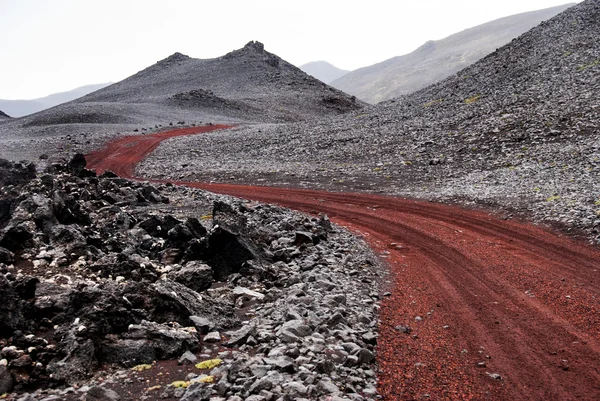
(246,84)
(323,71)
(520,129)
(436,60)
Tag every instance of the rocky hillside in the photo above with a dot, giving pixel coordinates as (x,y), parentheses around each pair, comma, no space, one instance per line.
(519,129)
(323,71)
(438,59)
(245,85)
(101,272)
(20,108)
(3,116)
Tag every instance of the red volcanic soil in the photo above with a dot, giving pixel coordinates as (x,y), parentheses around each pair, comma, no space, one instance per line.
(121,155)
(480,308)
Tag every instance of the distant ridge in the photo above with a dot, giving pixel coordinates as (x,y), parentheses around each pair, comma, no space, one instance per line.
(323,71)
(20,108)
(4,116)
(436,60)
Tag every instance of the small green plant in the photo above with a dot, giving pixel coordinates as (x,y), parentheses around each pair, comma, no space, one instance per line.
(586,66)
(436,101)
(567,54)
(597,203)
(553,198)
(472,99)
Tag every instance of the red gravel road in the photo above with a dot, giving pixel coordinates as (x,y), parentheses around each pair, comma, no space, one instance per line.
(481,296)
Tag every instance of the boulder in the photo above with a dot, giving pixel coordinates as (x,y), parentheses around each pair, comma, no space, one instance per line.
(303,237)
(6,380)
(11,309)
(159,226)
(76,165)
(227,252)
(76,360)
(127,352)
(197,392)
(202,324)
(187,359)
(98,393)
(174,302)
(168,341)
(16,174)
(15,237)
(6,256)
(194,275)
(239,337)
(70,238)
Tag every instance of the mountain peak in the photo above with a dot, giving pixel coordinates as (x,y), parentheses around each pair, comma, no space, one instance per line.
(323,71)
(175,58)
(254,45)
(254,50)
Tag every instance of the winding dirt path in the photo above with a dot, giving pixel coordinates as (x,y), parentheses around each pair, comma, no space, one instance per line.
(481,308)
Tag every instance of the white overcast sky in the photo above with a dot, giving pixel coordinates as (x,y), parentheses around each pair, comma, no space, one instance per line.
(49,46)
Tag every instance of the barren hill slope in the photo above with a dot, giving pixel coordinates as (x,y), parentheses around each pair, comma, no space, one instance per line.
(3,116)
(436,60)
(20,108)
(520,128)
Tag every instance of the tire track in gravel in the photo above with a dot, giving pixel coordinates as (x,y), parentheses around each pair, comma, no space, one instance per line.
(479,295)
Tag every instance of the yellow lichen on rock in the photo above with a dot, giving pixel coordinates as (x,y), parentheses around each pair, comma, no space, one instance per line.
(180,384)
(209,364)
(207,379)
(139,368)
